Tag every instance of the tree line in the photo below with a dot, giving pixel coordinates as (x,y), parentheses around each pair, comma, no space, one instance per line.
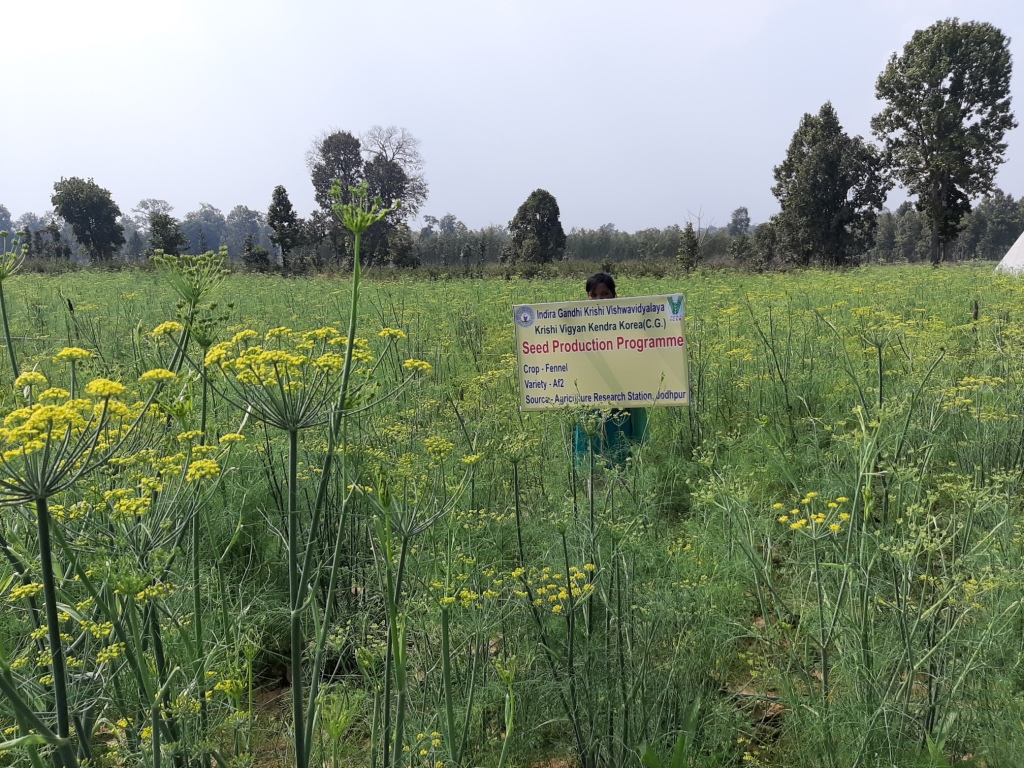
(940,135)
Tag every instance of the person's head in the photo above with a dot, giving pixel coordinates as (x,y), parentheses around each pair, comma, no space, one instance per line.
(601,285)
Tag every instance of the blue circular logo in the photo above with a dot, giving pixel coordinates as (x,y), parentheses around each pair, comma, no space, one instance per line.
(525,317)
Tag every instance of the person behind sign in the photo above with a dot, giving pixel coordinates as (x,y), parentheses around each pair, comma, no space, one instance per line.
(612,434)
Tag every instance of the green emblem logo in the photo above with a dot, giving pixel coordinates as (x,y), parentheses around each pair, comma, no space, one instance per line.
(675,307)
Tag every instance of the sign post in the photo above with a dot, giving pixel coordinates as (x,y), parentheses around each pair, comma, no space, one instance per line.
(622,353)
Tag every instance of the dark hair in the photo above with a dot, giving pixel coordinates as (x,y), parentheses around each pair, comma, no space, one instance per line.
(600,278)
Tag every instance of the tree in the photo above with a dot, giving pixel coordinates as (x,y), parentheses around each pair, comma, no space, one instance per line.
(741,248)
(334,155)
(204,228)
(351,160)
(239,224)
(140,213)
(884,247)
(29,222)
(387,180)
(398,146)
(911,243)
(165,234)
(766,244)
(135,245)
(92,214)
(255,257)
(739,224)
(689,248)
(537,234)
(47,243)
(401,248)
(991,228)
(442,239)
(947,109)
(830,187)
(5,219)
(389,161)
(285,223)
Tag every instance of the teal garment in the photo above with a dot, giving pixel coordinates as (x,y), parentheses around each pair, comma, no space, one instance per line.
(616,436)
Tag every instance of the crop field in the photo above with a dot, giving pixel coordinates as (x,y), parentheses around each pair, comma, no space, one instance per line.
(239,530)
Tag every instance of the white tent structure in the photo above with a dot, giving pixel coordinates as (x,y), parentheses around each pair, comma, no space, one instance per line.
(1013,261)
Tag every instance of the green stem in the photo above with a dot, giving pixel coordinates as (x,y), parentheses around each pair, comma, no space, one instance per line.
(57,666)
(519,524)
(395,661)
(197,603)
(206,384)
(880,379)
(298,720)
(389,659)
(400,681)
(510,711)
(823,641)
(446,678)
(7,332)
(570,664)
(197,607)
(329,600)
(337,420)
(28,720)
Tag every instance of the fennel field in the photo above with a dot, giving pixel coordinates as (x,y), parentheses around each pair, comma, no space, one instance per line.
(820,564)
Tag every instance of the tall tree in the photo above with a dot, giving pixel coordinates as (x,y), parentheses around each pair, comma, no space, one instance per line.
(830,188)
(883,248)
(398,146)
(335,155)
(286,225)
(47,243)
(947,109)
(205,225)
(92,214)
(255,257)
(165,234)
(689,247)
(911,238)
(30,222)
(239,224)
(389,161)
(739,223)
(5,219)
(140,213)
(1000,223)
(766,244)
(536,229)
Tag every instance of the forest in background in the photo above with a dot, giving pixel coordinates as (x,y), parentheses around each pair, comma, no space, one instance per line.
(939,137)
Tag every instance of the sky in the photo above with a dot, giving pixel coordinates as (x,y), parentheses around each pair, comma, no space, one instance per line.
(639,114)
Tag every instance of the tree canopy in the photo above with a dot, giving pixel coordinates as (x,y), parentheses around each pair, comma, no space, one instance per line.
(389,162)
(739,222)
(830,187)
(285,223)
(92,214)
(947,110)
(335,155)
(204,228)
(165,234)
(388,159)
(536,230)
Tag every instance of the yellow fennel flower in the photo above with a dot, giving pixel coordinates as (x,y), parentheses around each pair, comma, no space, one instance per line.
(157,375)
(417,366)
(104,388)
(72,353)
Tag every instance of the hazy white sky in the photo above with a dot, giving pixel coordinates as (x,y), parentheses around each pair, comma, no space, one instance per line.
(641,114)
